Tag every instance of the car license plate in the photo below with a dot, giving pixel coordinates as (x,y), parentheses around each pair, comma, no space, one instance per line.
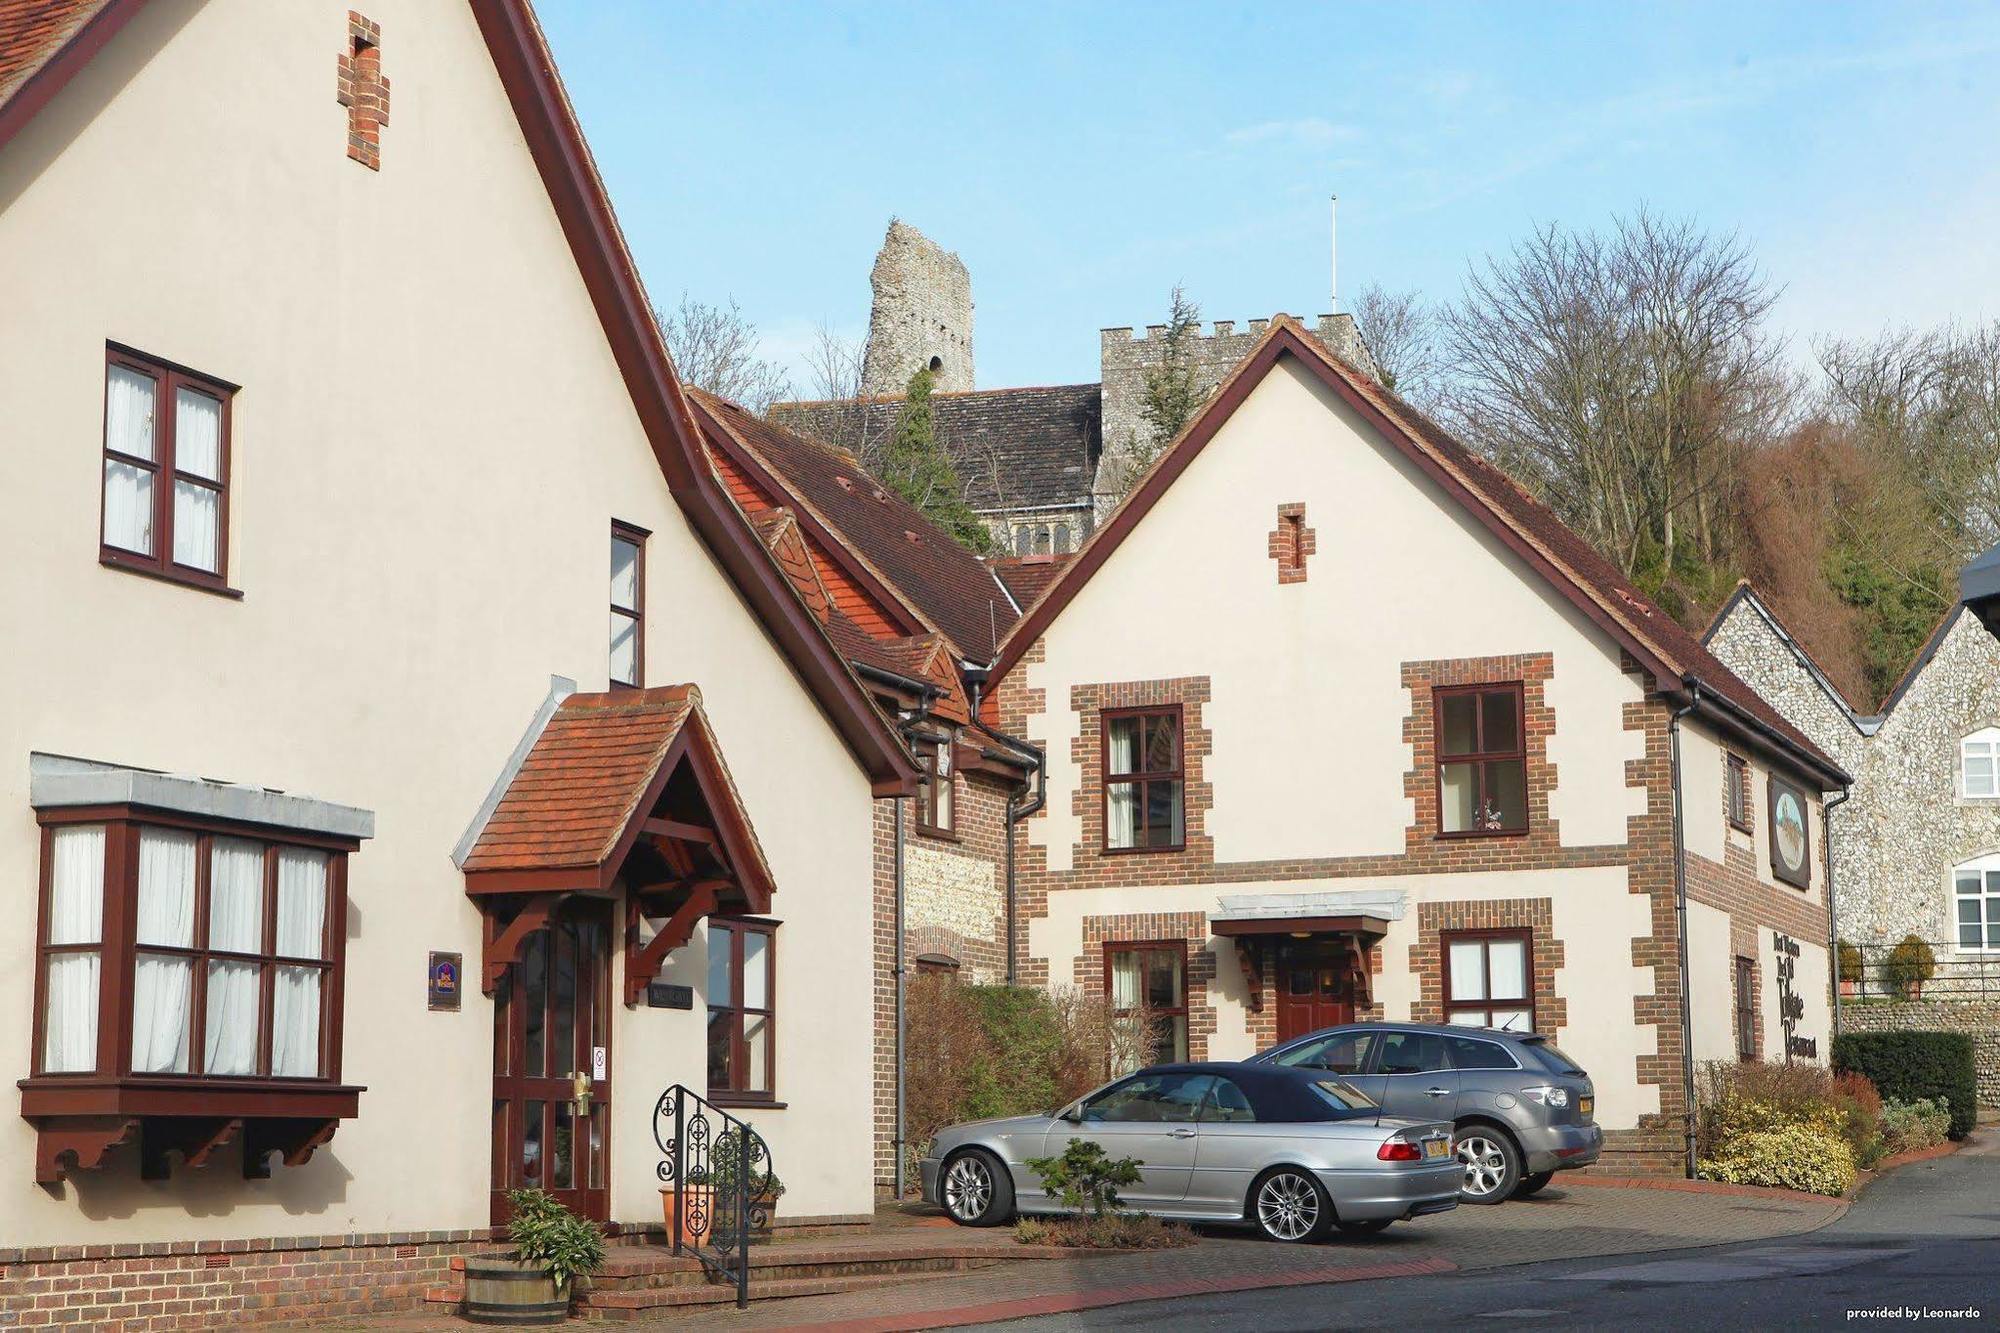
(1434,1147)
(1584,1106)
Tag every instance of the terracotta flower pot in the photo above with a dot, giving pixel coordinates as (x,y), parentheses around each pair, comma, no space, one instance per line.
(697,1213)
(1847,986)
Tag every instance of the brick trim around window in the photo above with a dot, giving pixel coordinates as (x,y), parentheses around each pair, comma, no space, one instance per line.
(1534,917)
(1291,542)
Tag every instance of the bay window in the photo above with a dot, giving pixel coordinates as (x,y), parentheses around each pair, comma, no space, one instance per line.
(1489,979)
(229,953)
(166,471)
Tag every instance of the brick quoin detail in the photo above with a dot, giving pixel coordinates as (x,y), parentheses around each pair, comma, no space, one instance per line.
(1534,915)
(1291,542)
(1145,927)
(364,91)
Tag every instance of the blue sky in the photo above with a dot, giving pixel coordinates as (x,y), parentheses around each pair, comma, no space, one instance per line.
(1083,158)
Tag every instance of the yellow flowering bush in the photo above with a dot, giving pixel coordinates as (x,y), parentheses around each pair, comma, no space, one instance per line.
(1789,1155)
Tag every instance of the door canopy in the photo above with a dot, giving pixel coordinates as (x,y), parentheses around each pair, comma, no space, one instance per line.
(621,789)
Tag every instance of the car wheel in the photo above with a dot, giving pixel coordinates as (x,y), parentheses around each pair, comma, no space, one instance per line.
(1492,1165)
(1533,1184)
(1289,1205)
(1367,1228)
(976,1189)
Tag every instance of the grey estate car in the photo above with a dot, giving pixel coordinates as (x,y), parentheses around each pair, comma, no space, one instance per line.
(1292,1152)
(1520,1109)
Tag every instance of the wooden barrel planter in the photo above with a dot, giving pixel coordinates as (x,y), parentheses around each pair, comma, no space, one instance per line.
(507,1291)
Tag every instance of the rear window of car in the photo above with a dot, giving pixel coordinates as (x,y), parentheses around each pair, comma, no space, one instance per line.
(1552,1056)
(1471,1053)
(1343,1096)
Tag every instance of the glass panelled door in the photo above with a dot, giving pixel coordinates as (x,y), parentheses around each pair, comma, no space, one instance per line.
(551,1021)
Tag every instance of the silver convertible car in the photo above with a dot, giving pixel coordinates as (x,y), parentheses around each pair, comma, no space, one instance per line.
(1292,1152)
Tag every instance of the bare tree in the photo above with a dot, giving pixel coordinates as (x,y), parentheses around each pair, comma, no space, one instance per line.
(1622,375)
(716,348)
(1402,333)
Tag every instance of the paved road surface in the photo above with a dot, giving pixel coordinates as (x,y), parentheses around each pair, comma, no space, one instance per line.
(1922,1240)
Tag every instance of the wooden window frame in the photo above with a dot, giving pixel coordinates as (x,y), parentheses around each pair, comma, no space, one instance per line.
(1738,769)
(739,1050)
(1179,948)
(1479,759)
(1449,1006)
(168,378)
(119,949)
(627,532)
(1143,780)
(1745,977)
(928,824)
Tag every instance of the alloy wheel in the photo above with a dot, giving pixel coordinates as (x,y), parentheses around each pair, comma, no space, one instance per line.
(1484,1162)
(1288,1206)
(968,1189)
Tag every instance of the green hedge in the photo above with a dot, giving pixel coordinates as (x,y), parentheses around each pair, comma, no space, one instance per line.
(1910,1066)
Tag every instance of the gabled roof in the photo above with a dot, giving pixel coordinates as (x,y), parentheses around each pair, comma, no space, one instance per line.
(1595,587)
(1025,448)
(588,787)
(882,538)
(1746,596)
(548,124)
(1027,575)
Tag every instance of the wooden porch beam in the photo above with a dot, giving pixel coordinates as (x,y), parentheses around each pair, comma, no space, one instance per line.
(643,964)
(503,945)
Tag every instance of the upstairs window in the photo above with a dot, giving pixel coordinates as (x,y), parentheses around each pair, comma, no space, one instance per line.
(934,789)
(1739,793)
(628,605)
(1979,763)
(1143,780)
(1482,761)
(1976,895)
(166,471)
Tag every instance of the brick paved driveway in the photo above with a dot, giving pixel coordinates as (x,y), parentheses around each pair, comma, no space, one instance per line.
(1573,1222)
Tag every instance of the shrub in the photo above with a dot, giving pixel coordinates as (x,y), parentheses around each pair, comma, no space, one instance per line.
(1851,965)
(1861,1108)
(1795,1157)
(1084,1178)
(546,1233)
(1737,1097)
(1123,1231)
(1912,1126)
(1911,1066)
(1909,965)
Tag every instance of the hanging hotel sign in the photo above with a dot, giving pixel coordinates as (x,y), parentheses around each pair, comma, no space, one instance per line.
(1791,1005)
(1791,835)
(446,972)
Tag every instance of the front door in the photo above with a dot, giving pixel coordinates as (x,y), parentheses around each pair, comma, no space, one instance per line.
(1314,988)
(552,1019)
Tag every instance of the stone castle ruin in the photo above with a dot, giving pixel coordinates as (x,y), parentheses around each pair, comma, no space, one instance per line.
(921,316)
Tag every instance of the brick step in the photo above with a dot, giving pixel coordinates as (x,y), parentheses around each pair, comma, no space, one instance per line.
(786,1262)
(639,1304)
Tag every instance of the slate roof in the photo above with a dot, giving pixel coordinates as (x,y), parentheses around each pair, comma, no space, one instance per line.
(33,30)
(949,585)
(1028,448)
(1026,575)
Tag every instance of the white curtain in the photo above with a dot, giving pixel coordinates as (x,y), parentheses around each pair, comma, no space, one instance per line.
(162,983)
(1508,960)
(236,925)
(295,1000)
(1121,806)
(1468,970)
(1125,980)
(198,451)
(76,916)
(197,525)
(128,490)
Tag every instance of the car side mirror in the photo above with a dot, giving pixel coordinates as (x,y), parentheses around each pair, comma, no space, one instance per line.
(1073,1114)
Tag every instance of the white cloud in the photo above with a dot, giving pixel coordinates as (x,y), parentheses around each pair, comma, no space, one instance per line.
(1306,131)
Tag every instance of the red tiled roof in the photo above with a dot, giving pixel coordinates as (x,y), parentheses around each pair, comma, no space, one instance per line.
(949,585)
(1573,567)
(1027,575)
(595,769)
(32,31)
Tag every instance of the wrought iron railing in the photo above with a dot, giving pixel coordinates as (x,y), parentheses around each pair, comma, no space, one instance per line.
(1930,970)
(719,1170)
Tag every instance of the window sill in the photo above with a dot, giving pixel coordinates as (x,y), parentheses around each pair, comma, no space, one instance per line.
(938,834)
(1742,828)
(740,1101)
(1472,835)
(112,558)
(1142,851)
(80,1119)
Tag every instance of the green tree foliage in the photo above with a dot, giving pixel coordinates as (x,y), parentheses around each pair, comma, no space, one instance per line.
(915,465)
(1171,395)
(1084,1179)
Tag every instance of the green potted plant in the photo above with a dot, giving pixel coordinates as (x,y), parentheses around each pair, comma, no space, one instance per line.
(1909,966)
(765,1187)
(552,1248)
(1851,967)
